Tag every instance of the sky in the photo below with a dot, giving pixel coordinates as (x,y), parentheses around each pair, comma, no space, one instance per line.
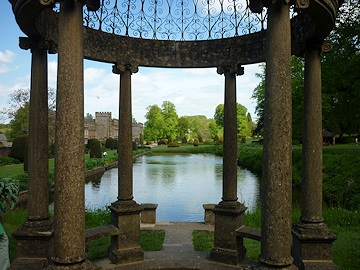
(192,91)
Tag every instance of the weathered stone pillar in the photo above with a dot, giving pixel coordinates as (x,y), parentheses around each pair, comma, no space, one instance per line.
(229,213)
(277,159)
(34,236)
(312,240)
(125,212)
(69,209)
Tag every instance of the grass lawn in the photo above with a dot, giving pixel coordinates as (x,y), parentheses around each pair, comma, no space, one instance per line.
(345,224)
(96,249)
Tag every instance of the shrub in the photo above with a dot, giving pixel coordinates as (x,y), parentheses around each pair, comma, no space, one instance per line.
(134,145)
(8,161)
(196,142)
(191,141)
(173,144)
(18,148)
(111,143)
(23,180)
(52,150)
(200,139)
(26,156)
(95,148)
(162,142)
(9,192)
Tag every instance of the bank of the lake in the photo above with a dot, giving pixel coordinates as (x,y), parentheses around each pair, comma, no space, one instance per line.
(341,171)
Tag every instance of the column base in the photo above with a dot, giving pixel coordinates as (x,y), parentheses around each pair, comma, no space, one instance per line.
(262,266)
(84,265)
(125,247)
(312,246)
(34,239)
(228,247)
(122,256)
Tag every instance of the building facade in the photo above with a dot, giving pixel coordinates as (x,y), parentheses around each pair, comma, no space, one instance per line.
(104,127)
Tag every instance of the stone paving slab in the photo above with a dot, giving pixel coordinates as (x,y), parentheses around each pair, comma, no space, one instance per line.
(178,252)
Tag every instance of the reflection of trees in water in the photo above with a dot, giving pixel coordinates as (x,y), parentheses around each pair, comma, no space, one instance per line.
(163,174)
(218,172)
(95,179)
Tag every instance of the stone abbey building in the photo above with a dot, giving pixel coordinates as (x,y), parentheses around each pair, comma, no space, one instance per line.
(104,127)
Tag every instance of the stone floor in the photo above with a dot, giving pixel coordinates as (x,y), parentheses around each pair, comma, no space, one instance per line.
(178,252)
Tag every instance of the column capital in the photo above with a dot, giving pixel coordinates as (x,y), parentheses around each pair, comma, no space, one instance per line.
(302,4)
(92,5)
(237,70)
(120,68)
(47,2)
(27,43)
(321,45)
(267,3)
(326,46)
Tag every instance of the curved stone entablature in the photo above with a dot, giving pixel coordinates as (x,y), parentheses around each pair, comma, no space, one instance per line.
(112,48)
(323,12)
(160,53)
(106,47)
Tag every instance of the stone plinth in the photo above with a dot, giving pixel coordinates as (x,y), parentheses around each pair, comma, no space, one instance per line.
(34,240)
(125,246)
(148,213)
(228,248)
(312,247)
(209,216)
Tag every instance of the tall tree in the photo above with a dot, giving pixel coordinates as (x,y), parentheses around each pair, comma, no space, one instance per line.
(242,119)
(183,126)
(18,110)
(341,73)
(170,120)
(155,125)
(297,77)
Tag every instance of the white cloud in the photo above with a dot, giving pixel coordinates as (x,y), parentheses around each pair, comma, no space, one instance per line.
(52,74)
(7,56)
(3,68)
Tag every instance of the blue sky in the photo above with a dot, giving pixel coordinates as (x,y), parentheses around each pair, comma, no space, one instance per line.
(193,91)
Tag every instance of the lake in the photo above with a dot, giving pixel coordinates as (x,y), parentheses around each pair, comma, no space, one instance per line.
(179,183)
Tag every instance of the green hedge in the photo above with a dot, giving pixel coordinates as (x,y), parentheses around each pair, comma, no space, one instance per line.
(341,172)
(94,146)
(18,148)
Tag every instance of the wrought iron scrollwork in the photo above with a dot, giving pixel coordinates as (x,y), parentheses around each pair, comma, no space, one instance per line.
(175,19)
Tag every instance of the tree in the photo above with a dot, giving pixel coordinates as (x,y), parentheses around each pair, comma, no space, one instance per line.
(341,73)
(170,120)
(297,78)
(214,129)
(242,119)
(154,126)
(183,126)
(89,117)
(18,110)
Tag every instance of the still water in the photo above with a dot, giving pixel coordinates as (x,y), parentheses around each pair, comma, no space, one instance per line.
(179,183)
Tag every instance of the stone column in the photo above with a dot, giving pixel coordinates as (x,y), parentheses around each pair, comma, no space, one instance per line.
(277,158)
(229,213)
(33,238)
(312,240)
(125,212)
(69,210)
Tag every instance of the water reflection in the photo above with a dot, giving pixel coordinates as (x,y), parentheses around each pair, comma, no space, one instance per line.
(179,183)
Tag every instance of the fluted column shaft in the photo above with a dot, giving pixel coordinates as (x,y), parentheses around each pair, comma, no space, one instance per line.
(277,173)
(69,209)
